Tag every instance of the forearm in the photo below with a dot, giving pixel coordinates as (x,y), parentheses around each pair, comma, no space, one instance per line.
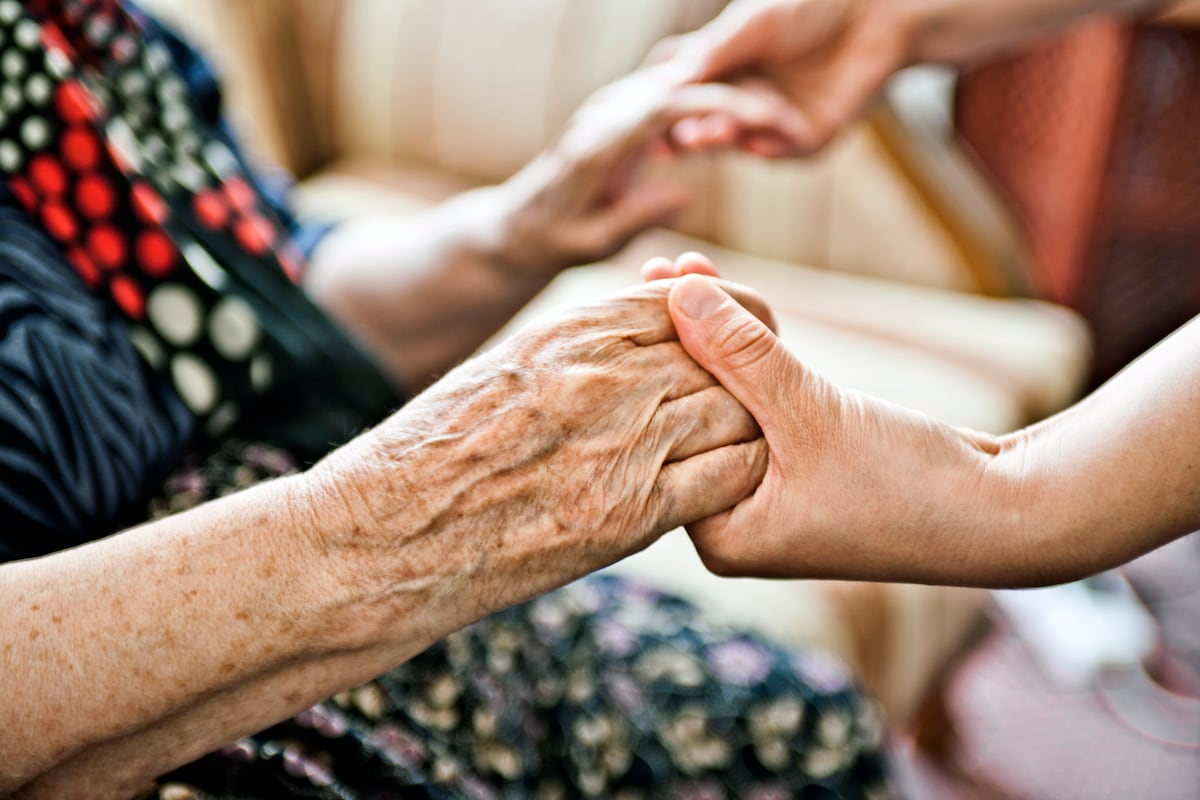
(963,31)
(174,638)
(422,293)
(1114,476)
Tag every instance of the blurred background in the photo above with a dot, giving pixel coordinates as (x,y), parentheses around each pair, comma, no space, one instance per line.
(985,247)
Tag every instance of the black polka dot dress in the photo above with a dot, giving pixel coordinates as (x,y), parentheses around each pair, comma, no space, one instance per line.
(112,145)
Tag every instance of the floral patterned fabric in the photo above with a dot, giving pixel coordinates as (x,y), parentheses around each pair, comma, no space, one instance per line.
(601,689)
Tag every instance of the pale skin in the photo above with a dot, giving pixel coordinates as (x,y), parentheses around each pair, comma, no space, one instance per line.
(859,488)
(424,292)
(551,456)
(827,60)
(555,454)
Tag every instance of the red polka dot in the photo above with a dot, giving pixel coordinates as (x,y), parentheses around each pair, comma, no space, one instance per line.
(211,207)
(73,103)
(47,175)
(80,150)
(94,197)
(147,204)
(254,233)
(240,194)
(155,253)
(106,245)
(24,192)
(53,39)
(84,265)
(128,296)
(59,220)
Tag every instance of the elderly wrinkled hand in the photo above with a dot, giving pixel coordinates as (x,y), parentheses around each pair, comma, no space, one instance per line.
(571,445)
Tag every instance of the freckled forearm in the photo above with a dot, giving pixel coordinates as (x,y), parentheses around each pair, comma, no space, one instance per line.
(173,625)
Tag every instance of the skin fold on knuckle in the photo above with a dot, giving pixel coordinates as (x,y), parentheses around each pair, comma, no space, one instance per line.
(741,343)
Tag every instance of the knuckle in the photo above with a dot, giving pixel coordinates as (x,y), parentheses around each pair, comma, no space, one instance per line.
(743,344)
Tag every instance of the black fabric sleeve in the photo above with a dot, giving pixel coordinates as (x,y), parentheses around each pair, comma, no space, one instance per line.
(87,431)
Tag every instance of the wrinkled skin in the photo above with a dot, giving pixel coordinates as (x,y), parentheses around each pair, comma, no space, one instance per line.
(573,444)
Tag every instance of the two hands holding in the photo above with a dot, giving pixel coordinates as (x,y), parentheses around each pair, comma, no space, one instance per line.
(579,441)
(839,484)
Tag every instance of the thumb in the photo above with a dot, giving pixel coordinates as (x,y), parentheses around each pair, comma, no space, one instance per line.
(734,346)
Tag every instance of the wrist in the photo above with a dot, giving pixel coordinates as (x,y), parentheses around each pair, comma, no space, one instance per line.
(524,247)
(335,508)
(502,231)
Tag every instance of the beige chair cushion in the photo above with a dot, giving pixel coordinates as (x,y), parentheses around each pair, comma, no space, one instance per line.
(474,88)
(386,105)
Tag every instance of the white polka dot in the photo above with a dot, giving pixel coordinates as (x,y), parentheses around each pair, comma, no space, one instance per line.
(37,89)
(154,148)
(261,372)
(10,156)
(205,266)
(12,64)
(195,382)
(189,176)
(57,63)
(121,137)
(221,420)
(148,345)
(188,142)
(171,89)
(99,30)
(158,57)
(233,328)
(35,133)
(132,83)
(176,117)
(27,35)
(220,158)
(9,11)
(175,313)
(11,98)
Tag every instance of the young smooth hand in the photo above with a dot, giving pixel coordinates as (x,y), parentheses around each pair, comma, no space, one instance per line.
(855,487)
(590,192)
(823,59)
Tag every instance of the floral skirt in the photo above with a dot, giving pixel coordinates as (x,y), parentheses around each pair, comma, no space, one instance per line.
(602,689)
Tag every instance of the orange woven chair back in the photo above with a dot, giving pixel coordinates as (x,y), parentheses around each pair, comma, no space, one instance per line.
(1095,138)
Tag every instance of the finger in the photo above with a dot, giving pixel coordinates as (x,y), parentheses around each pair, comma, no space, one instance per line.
(693,263)
(703,421)
(664,50)
(722,47)
(640,314)
(714,115)
(766,144)
(659,268)
(736,347)
(674,371)
(708,483)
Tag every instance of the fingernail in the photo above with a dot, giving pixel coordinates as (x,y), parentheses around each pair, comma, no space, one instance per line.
(699,297)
